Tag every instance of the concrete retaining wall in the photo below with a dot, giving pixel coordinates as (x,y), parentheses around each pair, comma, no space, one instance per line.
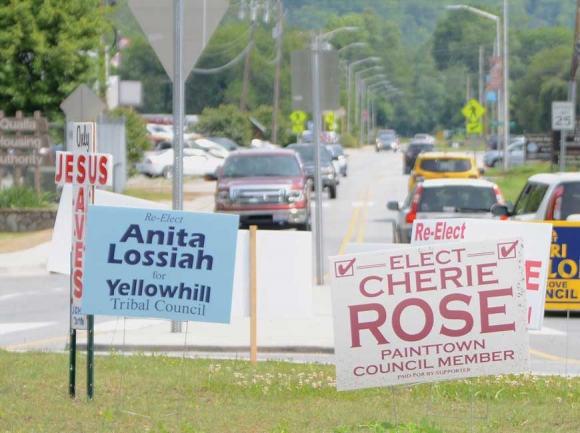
(26,220)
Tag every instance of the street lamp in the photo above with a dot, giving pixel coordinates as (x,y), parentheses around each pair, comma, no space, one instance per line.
(370,87)
(349,86)
(353,45)
(317,119)
(498,52)
(362,104)
(357,89)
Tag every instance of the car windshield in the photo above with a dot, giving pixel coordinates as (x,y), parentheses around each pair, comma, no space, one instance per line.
(570,200)
(387,137)
(307,153)
(446,165)
(261,165)
(420,147)
(336,149)
(225,142)
(457,198)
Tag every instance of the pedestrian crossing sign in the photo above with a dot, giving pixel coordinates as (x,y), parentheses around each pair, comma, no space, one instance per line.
(473,111)
(474,128)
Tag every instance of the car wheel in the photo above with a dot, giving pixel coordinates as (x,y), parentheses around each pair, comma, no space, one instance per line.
(344,173)
(332,191)
(497,163)
(167,172)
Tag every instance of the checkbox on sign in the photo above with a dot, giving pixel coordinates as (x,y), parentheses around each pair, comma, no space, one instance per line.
(506,250)
(344,268)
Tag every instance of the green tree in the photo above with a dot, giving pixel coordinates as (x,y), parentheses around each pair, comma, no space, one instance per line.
(47,48)
(136,132)
(225,121)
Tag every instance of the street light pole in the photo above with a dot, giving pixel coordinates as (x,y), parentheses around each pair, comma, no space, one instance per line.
(357,90)
(317,119)
(506,108)
(362,105)
(498,53)
(349,86)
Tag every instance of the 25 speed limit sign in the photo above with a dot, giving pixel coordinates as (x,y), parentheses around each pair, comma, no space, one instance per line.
(563,115)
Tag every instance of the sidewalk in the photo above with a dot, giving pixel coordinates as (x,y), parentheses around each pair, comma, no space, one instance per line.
(303,336)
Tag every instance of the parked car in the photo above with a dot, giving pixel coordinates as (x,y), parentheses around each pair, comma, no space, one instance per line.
(157,133)
(445,198)
(196,162)
(413,150)
(338,154)
(424,137)
(328,173)
(226,143)
(516,154)
(441,165)
(546,197)
(387,139)
(211,147)
(265,187)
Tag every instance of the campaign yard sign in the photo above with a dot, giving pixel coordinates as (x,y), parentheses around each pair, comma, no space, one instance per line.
(536,236)
(430,313)
(155,263)
(563,291)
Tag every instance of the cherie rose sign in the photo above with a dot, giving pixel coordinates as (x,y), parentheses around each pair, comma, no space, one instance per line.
(429,313)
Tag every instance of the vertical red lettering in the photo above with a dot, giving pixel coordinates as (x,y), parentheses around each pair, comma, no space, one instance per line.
(78,283)
(532,271)
(356,326)
(81,173)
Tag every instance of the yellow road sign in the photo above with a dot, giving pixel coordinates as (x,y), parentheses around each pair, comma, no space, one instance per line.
(473,110)
(297,128)
(474,128)
(298,117)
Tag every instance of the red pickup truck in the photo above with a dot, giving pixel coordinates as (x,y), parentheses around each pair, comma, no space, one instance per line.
(265,187)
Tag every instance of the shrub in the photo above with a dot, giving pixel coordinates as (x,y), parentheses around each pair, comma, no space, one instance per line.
(347,140)
(25,197)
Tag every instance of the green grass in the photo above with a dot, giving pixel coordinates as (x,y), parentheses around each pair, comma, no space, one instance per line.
(24,197)
(163,394)
(148,194)
(511,182)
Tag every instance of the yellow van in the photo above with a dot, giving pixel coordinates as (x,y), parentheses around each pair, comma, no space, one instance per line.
(442,165)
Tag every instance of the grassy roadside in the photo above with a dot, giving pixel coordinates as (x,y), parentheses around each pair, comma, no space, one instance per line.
(137,393)
(512,181)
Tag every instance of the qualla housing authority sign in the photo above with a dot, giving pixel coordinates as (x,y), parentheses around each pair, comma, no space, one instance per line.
(429,313)
(166,264)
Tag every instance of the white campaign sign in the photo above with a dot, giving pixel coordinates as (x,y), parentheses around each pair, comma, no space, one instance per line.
(430,313)
(537,239)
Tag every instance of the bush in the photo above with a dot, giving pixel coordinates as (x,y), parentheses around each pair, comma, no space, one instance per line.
(225,121)
(136,131)
(347,140)
(25,197)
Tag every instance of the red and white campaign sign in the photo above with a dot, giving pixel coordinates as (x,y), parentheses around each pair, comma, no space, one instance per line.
(430,313)
(537,239)
(85,169)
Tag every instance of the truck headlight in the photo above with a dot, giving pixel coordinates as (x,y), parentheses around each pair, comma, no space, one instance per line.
(223,198)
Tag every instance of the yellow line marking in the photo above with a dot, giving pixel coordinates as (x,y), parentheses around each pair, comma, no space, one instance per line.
(363,217)
(351,226)
(553,357)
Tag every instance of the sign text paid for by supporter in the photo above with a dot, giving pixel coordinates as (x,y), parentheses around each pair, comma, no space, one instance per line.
(431,313)
(536,236)
(165,264)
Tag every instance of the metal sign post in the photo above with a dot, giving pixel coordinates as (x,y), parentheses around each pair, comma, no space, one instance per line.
(563,119)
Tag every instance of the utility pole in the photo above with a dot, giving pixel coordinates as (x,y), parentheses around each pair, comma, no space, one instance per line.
(276,105)
(247,66)
(480,94)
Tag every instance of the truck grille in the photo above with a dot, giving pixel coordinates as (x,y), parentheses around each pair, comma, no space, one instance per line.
(258,196)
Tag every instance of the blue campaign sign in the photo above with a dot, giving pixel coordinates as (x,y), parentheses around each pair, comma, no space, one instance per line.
(156,263)
(563,291)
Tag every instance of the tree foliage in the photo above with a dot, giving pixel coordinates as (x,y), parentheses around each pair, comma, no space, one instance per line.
(225,121)
(48,48)
(136,133)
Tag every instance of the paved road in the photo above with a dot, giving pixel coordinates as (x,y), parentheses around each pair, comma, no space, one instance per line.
(35,308)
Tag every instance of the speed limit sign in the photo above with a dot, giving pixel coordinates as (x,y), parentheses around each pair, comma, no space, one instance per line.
(563,116)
